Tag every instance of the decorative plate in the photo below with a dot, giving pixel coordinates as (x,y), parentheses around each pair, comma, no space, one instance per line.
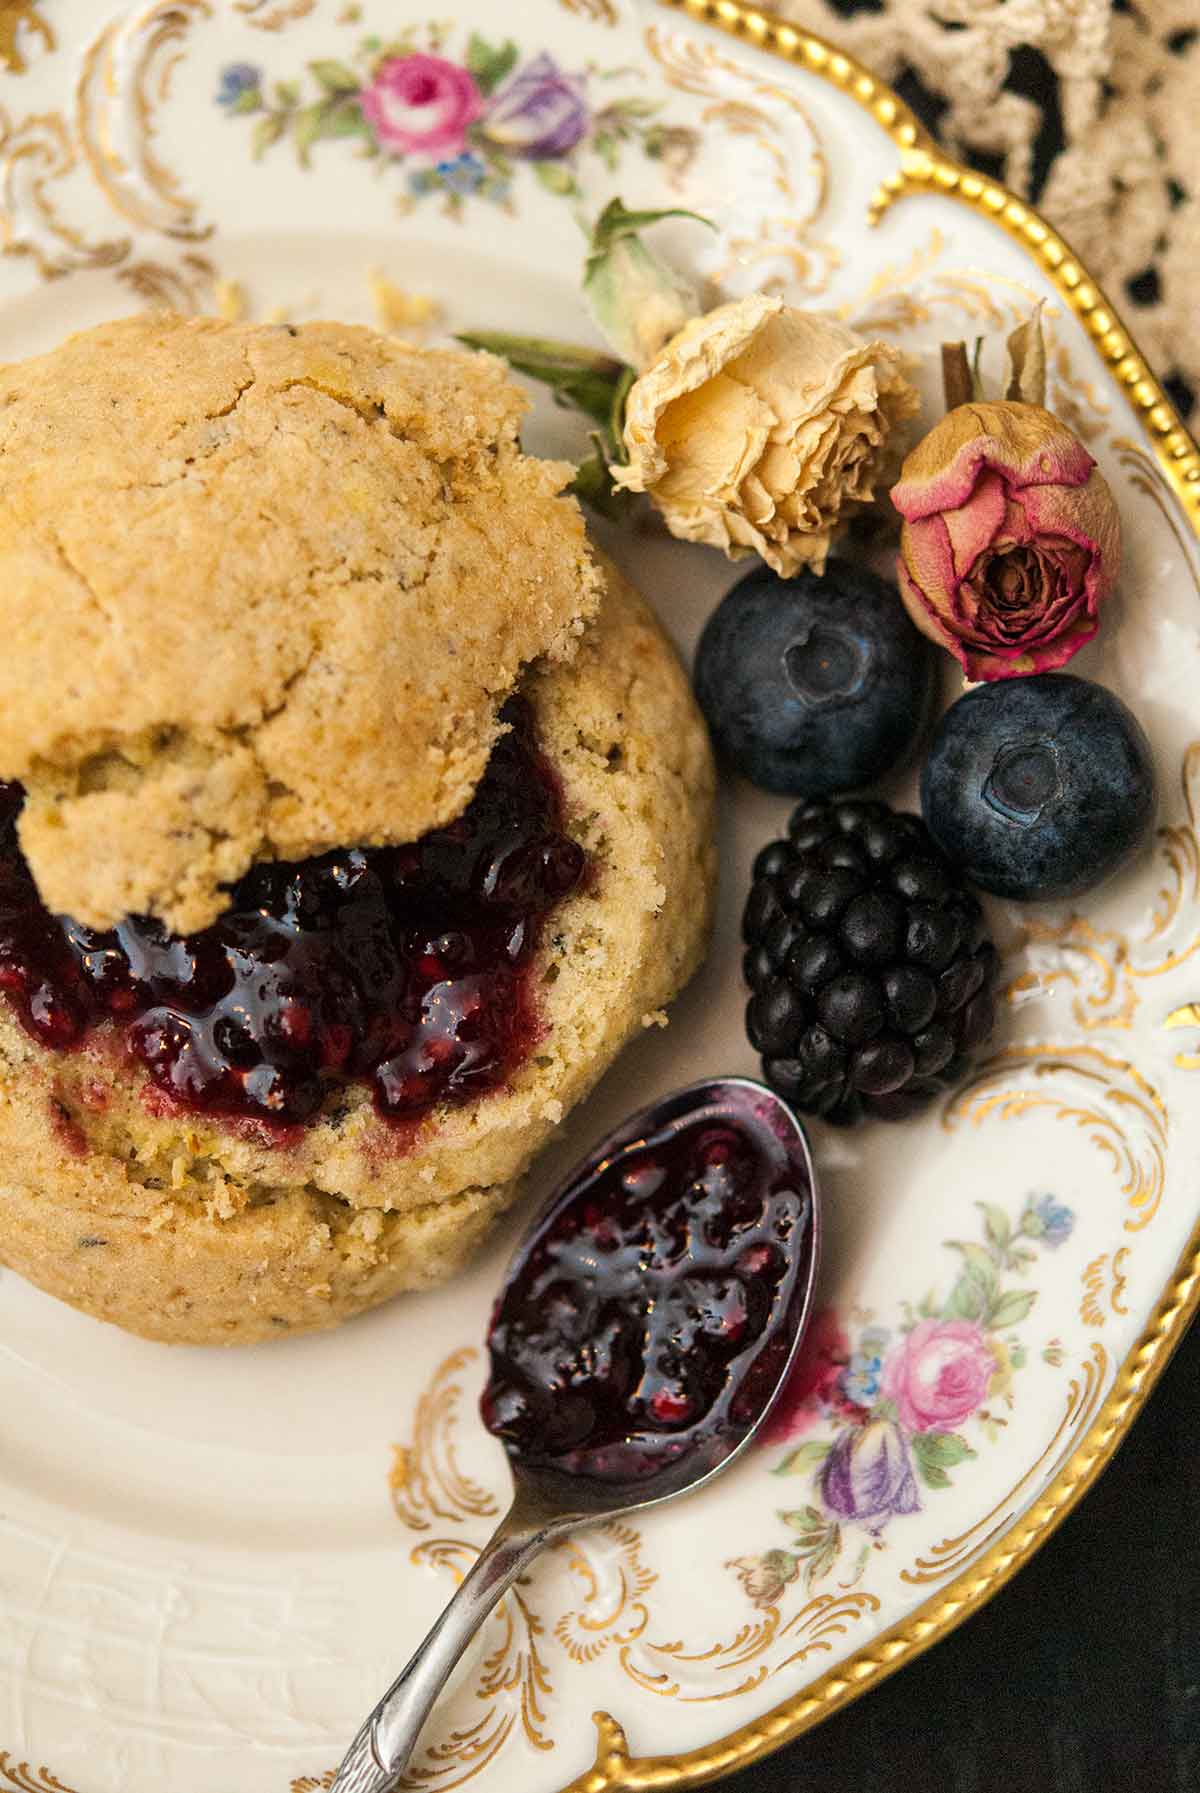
(211,1563)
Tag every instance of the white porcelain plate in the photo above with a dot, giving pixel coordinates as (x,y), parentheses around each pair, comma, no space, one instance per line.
(212,1563)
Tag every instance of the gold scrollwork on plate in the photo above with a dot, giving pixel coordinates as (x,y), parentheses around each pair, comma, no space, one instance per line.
(1104,1280)
(612,1611)
(512,1683)
(777,245)
(1076,399)
(1145,474)
(36,154)
(1187,1015)
(601,12)
(608,1607)
(19,20)
(426,1480)
(1083,1398)
(187,287)
(905,295)
(273,15)
(25,1779)
(1105,1096)
(893,279)
(124,79)
(1105,968)
(691,1676)
(1092,961)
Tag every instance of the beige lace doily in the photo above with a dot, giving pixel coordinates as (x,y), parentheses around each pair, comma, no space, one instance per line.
(1089,107)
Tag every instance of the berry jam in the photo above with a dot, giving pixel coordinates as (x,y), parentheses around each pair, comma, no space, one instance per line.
(651,1312)
(402,967)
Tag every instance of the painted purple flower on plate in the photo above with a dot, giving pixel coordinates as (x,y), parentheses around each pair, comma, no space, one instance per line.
(868,1475)
(540,112)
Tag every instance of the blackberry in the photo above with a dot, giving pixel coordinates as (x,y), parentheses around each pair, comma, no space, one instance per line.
(870,974)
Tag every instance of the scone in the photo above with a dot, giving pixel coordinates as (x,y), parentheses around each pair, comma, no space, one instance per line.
(262,1156)
(264,592)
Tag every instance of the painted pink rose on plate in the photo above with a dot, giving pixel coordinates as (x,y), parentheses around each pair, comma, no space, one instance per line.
(939,1375)
(421,105)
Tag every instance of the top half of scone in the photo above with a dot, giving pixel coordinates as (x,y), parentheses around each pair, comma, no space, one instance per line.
(313,713)
(265,591)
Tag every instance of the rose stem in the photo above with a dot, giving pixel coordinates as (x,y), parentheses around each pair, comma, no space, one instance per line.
(956,375)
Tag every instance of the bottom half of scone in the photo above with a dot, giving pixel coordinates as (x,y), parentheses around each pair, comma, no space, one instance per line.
(194,1228)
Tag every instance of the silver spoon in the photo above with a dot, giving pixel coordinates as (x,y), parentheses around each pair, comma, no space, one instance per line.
(575,1480)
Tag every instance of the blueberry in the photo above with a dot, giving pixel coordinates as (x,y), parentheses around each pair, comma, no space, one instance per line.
(814,685)
(1039,787)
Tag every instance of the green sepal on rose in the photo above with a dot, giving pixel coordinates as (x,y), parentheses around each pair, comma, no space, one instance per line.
(754,427)
(638,302)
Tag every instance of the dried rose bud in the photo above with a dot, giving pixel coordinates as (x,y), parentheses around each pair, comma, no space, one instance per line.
(1011,539)
(763,428)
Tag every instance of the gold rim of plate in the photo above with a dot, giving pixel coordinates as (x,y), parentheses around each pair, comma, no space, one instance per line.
(923,169)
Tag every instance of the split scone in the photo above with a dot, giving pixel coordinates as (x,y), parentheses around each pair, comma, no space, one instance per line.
(270,591)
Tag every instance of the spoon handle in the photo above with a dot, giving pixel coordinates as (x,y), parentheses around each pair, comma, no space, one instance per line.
(379,1754)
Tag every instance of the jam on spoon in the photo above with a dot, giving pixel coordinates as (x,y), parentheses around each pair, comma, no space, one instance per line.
(646,1324)
(405,968)
(647,1315)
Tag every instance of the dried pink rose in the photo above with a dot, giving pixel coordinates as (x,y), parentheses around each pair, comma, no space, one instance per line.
(1011,540)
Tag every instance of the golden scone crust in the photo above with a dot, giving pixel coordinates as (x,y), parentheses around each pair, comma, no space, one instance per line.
(186,1230)
(263,591)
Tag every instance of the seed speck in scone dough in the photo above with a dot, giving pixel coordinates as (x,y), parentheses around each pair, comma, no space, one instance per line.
(325,666)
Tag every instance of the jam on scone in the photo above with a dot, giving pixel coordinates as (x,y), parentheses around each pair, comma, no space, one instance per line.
(406,968)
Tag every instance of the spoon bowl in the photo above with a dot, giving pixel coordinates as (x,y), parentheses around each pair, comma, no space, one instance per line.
(648,1319)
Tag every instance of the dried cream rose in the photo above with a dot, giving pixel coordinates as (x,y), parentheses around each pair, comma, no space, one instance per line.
(762,428)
